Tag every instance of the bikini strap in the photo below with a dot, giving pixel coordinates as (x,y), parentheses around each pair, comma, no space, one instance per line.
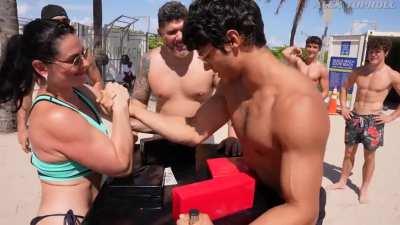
(69,218)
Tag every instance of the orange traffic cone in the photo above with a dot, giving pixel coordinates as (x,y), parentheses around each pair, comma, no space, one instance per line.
(332,105)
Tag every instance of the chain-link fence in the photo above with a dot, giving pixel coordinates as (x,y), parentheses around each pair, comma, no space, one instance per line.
(118,40)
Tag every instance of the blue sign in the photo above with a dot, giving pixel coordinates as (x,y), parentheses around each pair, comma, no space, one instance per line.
(337,79)
(345,48)
(344,63)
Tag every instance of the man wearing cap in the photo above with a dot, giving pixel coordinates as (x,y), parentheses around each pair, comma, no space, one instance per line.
(56,12)
(52,12)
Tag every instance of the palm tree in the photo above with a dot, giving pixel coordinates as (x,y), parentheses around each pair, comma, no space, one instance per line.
(8,21)
(8,27)
(97,23)
(301,4)
(98,34)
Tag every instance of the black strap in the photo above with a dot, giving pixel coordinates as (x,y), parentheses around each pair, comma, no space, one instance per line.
(78,93)
(69,218)
(80,96)
(50,100)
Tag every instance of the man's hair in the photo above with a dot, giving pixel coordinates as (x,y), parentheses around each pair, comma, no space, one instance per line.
(125,59)
(209,20)
(383,43)
(171,11)
(314,40)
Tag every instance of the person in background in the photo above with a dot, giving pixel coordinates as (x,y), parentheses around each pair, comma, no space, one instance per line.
(365,122)
(176,76)
(283,144)
(126,77)
(308,63)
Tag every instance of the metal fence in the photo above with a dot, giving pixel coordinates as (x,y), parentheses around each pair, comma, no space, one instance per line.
(118,40)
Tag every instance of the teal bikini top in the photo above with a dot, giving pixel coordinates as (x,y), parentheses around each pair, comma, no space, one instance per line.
(67,170)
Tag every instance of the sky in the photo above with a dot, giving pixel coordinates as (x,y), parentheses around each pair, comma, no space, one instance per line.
(384,15)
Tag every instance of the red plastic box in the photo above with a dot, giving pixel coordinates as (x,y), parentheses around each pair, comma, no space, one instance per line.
(218,197)
(221,167)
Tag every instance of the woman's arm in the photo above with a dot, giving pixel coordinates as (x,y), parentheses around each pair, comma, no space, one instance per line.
(68,133)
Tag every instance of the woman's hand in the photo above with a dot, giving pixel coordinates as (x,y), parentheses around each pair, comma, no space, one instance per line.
(113,97)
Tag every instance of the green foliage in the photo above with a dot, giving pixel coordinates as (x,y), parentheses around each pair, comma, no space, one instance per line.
(325,57)
(155,41)
(277,51)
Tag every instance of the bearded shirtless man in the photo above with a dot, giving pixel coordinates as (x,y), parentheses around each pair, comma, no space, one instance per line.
(365,123)
(175,75)
(282,143)
(310,66)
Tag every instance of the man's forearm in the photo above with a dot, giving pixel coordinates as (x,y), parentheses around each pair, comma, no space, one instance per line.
(287,214)
(174,128)
(95,77)
(138,126)
(325,94)
(23,111)
(325,90)
(21,119)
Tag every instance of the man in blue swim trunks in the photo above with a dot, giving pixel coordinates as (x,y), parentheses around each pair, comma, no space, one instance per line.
(365,123)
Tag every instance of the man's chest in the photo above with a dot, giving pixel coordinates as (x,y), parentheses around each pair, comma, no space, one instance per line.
(195,84)
(373,82)
(313,72)
(253,124)
(260,150)
(253,121)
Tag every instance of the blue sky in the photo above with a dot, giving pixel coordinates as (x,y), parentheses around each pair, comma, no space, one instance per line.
(384,14)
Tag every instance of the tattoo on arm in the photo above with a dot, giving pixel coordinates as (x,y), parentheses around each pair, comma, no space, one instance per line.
(141,90)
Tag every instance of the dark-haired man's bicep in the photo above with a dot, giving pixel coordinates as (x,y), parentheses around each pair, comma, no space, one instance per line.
(302,140)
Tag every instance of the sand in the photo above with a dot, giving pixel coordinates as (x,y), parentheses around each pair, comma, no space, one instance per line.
(20,193)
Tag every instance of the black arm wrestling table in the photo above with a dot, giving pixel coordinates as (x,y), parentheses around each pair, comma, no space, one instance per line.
(109,209)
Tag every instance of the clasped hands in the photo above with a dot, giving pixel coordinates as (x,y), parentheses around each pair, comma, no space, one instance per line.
(114,97)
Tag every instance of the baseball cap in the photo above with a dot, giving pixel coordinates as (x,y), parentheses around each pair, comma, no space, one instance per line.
(51,11)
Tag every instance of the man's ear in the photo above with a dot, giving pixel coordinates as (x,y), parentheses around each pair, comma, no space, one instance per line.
(234,40)
(40,68)
(160,34)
